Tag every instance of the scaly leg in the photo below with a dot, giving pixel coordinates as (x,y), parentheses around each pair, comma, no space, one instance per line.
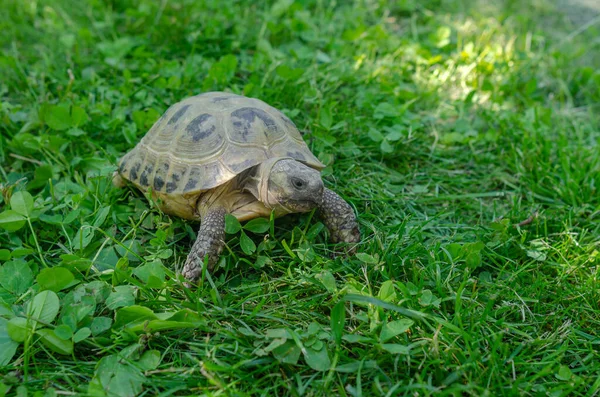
(339,218)
(210,242)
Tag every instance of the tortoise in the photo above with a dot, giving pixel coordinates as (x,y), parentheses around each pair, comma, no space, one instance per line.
(219,153)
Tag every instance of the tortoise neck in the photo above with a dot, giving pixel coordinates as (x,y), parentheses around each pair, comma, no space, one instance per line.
(257,180)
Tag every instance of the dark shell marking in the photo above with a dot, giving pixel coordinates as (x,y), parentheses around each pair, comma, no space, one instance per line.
(158,183)
(190,185)
(239,167)
(244,117)
(178,115)
(172,184)
(288,121)
(221,98)
(124,163)
(297,155)
(198,130)
(134,171)
(160,176)
(144,177)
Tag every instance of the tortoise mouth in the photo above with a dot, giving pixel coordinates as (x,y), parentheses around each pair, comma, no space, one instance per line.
(302,205)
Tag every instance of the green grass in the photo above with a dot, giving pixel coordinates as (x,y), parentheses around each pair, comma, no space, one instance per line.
(466,136)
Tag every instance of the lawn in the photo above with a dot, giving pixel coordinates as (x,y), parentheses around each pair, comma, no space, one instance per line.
(465,134)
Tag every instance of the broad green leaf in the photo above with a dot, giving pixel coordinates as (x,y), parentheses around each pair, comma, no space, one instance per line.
(387,292)
(21,251)
(279,333)
(133,314)
(75,132)
(386,109)
(287,353)
(375,135)
(258,225)
(262,261)
(75,262)
(4,388)
(317,360)
(80,304)
(18,328)
(275,343)
(394,328)
(116,377)
(100,325)
(247,244)
(164,253)
(366,258)
(41,176)
(5,310)
(4,255)
(8,347)
(101,216)
(357,338)
(51,219)
(82,334)
(328,280)
(473,259)
(322,57)
(338,319)
(140,319)
(287,73)
(159,325)
(232,225)
(44,307)
(395,348)
(64,332)
(54,278)
(83,237)
(122,296)
(280,7)
(394,133)
(441,37)
(427,298)
(16,276)
(139,118)
(223,71)
(58,117)
(326,118)
(54,343)
(78,116)
(153,274)
(11,221)
(564,373)
(455,250)
(150,360)
(386,147)
(314,231)
(186,315)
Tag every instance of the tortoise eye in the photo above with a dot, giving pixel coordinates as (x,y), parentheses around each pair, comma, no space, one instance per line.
(298,183)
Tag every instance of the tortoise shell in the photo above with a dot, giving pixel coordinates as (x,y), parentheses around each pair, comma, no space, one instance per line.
(206,140)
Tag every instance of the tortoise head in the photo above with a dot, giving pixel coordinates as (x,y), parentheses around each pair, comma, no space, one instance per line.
(287,186)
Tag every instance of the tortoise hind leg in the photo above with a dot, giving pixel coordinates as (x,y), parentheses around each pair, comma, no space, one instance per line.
(118,180)
(210,241)
(339,218)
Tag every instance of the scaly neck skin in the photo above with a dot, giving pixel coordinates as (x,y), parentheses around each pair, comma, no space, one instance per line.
(257,183)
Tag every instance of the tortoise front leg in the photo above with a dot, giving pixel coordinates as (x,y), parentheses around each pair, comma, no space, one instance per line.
(210,241)
(339,218)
